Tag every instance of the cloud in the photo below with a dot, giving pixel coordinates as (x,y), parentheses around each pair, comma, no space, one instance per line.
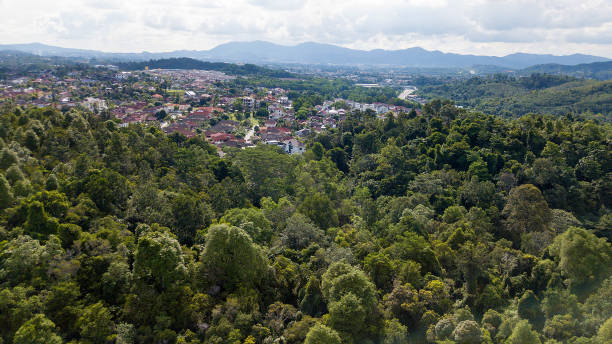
(284,5)
(493,26)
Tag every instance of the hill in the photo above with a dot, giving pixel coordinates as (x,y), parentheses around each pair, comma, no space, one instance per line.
(595,70)
(316,53)
(538,93)
(188,63)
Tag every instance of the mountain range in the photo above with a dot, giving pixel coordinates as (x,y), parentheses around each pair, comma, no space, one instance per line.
(319,54)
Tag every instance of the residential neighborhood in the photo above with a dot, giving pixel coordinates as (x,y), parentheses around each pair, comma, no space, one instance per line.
(189,103)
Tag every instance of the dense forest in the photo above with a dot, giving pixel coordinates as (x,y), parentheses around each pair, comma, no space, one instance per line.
(516,96)
(188,63)
(448,227)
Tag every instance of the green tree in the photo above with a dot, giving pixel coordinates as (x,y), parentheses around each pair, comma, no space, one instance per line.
(108,189)
(348,317)
(321,334)
(320,209)
(605,332)
(267,172)
(300,232)
(467,332)
(95,324)
(38,330)
(231,259)
(582,256)
(395,332)
(523,334)
(191,214)
(380,268)
(252,220)
(14,174)
(529,308)
(6,193)
(52,183)
(158,260)
(7,158)
(526,210)
(39,225)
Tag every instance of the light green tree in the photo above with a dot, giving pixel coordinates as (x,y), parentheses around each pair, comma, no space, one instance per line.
(321,334)
(6,194)
(95,324)
(523,334)
(230,258)
(158,260)
(38,330)
(582,256)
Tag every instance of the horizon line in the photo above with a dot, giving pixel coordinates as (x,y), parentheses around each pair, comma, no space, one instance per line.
(298,44)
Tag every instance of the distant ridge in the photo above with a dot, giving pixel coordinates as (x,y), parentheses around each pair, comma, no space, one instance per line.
(596,70)
(321,54)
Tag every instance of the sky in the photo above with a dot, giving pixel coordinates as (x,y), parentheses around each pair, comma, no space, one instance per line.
(483,27)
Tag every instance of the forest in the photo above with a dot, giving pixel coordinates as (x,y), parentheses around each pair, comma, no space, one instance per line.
(451,226)
(516,96)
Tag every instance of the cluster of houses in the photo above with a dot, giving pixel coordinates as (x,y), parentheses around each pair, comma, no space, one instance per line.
(193,104)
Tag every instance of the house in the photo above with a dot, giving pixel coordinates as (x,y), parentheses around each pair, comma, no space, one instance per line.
(293,146)
(303,132)
(180,128)
(249,103)
(225,126)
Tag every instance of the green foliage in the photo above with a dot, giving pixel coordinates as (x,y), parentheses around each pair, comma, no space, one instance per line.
(7,158)
(526,210)
(537,93)
(605,331)
(467,332)
(251,220)
(108,189)
(38,224)
(582,257)
(6,193)
(321,334)
(523,334)
(95,324)
(231,259)
(408,229)
(38,330)
(267,172)
(158,260)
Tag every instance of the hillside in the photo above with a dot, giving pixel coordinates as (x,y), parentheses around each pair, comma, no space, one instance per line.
(538,93)
(596,70)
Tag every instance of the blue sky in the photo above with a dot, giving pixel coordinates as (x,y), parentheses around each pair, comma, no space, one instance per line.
(491,27)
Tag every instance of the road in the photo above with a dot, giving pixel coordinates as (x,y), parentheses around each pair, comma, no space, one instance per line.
(249,135)
(406,92)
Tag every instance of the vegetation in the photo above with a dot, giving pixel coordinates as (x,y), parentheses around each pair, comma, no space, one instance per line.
(596,70)
(538,93)
(449,227)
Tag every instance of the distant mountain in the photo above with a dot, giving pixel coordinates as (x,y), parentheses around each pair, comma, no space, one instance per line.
(323,54)
(596,70)
(189,63)
(315,53)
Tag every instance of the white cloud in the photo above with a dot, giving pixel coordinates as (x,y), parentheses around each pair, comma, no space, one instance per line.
(493,27)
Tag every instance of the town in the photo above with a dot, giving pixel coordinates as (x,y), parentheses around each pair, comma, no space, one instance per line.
(193,102)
